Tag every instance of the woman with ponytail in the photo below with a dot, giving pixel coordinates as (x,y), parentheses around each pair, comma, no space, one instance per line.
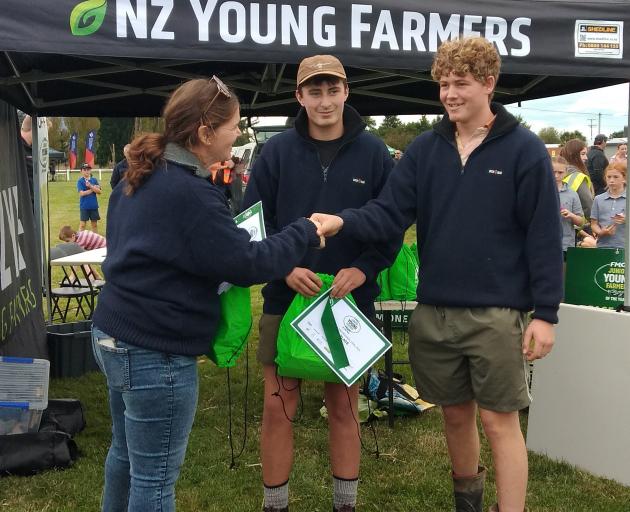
(171,242)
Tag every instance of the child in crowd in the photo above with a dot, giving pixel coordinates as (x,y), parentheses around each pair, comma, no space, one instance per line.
(608,215)
(88,189)
(87,239)
(571,213)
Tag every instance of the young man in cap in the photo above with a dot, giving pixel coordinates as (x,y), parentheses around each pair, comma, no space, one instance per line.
(482,190)
(88,189)
(327,161)
(596,163)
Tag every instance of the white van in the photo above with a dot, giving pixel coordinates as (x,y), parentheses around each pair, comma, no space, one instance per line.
(244,152)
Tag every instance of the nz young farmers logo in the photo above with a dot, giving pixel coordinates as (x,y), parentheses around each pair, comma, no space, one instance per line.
(87,17)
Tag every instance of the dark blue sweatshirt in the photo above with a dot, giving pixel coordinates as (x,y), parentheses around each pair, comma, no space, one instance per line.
(169,246)
(488,232)
(291,182)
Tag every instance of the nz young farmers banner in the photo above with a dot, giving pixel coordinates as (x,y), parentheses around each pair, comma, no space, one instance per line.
(533,37)
(22,330)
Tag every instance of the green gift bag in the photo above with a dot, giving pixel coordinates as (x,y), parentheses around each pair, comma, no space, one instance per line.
(295,357)
(234,327)
(414,251)
(383,283)
(403,275)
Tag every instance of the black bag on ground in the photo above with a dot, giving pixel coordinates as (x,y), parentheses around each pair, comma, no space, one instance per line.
(51,447)
(27,454)
(64,415)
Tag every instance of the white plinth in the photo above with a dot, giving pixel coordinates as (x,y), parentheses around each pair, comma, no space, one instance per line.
(581,407)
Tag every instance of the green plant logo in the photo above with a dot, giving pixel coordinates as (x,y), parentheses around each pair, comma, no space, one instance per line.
(87,17)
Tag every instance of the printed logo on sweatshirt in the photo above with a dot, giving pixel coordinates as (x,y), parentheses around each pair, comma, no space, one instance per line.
(495,171)
(360,181)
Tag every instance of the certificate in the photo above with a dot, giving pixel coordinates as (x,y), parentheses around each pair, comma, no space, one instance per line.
(253,221)
(364,344)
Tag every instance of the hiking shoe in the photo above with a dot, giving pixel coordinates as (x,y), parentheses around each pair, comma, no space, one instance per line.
(344,508)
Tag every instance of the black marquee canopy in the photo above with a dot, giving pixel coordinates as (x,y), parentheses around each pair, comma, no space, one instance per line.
(113,58)
(122,58)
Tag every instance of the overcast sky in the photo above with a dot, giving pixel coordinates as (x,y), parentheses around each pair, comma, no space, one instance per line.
(579,110)
(568,112)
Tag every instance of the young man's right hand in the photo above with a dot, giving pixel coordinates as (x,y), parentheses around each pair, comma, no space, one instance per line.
(304,281)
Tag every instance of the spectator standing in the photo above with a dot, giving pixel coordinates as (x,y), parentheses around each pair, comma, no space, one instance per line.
(571,214)
(574,152)
(597,162)
(608,216)
(26,133)
(88,189)
(621,155)
(87,239)
(120,168)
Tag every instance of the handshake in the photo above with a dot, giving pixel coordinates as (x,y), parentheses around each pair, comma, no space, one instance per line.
(327,225)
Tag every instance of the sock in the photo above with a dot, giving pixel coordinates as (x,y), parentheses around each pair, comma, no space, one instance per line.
(345,492)
(277,496)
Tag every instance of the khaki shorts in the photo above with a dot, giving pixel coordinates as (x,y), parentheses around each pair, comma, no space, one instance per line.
(463,354)
(268,338)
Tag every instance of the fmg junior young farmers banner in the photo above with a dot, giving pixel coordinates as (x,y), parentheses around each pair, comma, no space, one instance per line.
(22,329)
(595,277)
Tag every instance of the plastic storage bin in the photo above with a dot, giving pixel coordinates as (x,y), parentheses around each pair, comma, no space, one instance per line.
(23,393)
(18,418)
(70,349)
(24,380)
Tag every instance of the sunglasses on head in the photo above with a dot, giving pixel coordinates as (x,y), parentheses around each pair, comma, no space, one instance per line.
(221,89)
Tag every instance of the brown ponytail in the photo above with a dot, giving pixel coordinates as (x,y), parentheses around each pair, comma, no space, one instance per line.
(182,117)
(145,152)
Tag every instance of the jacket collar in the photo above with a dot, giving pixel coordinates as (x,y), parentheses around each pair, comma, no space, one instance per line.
(503,123)
(353,124)
(181,156)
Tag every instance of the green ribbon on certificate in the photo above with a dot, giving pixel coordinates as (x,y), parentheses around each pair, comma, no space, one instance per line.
(335,343)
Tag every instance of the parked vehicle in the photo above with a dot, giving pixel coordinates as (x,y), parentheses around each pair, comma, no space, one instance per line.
(247,153)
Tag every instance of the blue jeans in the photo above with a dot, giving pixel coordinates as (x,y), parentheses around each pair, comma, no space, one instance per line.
(152,400)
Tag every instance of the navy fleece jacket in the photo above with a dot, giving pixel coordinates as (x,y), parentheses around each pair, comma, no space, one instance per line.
(291,182)
(169,246)
(488,232)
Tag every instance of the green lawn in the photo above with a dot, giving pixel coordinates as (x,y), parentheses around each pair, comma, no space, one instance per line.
(411,474)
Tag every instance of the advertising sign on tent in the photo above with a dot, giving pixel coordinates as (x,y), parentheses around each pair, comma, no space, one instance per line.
(22,331)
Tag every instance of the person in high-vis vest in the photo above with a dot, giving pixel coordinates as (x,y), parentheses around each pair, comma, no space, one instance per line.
(577,178)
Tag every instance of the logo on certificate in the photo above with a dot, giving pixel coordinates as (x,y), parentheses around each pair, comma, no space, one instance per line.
(352,324)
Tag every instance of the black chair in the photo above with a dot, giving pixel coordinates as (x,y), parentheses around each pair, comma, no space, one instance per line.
(76,285)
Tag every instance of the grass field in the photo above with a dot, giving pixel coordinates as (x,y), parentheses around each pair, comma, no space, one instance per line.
(411,473)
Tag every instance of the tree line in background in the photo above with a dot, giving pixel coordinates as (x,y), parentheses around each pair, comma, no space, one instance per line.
(113,133)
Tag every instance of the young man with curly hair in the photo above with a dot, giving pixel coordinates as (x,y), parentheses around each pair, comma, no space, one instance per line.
(482,190)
